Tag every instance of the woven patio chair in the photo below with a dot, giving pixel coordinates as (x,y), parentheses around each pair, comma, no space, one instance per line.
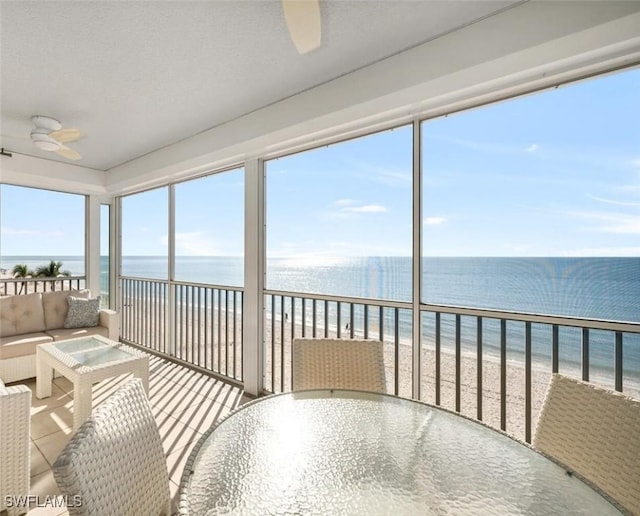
(115,461)
(338,364)
(594,432)
(15,447)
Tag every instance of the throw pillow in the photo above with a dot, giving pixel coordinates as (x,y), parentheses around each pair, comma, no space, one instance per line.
(83,313)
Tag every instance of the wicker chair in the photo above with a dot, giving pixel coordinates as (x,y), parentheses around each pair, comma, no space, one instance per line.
(596,433)
(338,364)
(115,461)
(15,426)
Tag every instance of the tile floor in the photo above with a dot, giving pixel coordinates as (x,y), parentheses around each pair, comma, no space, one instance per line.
(185,403)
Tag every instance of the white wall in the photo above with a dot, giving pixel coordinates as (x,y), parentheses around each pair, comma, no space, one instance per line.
(24,170)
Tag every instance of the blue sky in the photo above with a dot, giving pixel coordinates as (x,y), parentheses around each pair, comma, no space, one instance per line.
(549,174)
(37,222)
(209,218)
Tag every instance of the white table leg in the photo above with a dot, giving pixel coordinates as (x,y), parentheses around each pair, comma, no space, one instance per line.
(82,402)
(44,377)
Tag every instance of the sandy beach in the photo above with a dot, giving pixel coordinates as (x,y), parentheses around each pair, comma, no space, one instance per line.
(4,275)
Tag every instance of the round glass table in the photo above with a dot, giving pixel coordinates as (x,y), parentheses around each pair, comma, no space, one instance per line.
(348,452)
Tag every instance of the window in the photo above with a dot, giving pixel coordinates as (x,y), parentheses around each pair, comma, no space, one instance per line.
(533,204)
(145,220)
(38,226)
(339,218)
(209,222)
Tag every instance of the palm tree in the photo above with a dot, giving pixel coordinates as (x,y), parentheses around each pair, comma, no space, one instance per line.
(21,270)
(52,270)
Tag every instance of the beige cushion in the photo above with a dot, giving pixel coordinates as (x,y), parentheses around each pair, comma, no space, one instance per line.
(21,314)
(56,306)
(61,333)
(22,345)
(6,324)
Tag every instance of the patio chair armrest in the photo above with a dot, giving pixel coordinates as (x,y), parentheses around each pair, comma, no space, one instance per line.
(109,320)
(18,394)
(15,426)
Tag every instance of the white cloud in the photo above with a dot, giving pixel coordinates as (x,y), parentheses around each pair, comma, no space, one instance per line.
(611,222)
(14,231)
(393,177)
(605,251)
(532,148)
(30,232)
(611,201)
(195,243)
(434,221)
(367,208)
(499,148)
(396,177)
(628,189)
(344,202)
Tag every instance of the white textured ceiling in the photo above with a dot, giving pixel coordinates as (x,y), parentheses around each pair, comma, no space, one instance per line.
(135,76)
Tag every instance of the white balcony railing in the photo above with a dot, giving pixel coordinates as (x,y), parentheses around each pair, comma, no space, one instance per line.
(487,364)
(195,324)
(16,286)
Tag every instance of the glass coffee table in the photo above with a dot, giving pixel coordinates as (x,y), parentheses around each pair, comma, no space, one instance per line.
(85,361)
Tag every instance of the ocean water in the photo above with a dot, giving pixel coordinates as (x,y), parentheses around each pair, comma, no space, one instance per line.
(598,288)
(594,288)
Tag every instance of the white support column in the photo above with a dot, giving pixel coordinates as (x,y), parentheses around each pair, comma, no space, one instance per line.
(417,260)
(170,308)
(115,249)
(254,270)
(92,244)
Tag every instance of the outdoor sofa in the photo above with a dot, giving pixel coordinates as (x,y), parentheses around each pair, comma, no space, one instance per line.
(26,321)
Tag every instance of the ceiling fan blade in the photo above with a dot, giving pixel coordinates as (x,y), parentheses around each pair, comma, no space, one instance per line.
(66,135)
(68,153)
(303,22)
(46,122)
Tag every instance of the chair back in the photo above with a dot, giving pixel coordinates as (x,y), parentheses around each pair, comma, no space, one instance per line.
(594,432)
(338,364)
(115,462)
(15,447)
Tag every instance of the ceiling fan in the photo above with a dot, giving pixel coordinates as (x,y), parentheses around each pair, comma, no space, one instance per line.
(303,21)
(49,135)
